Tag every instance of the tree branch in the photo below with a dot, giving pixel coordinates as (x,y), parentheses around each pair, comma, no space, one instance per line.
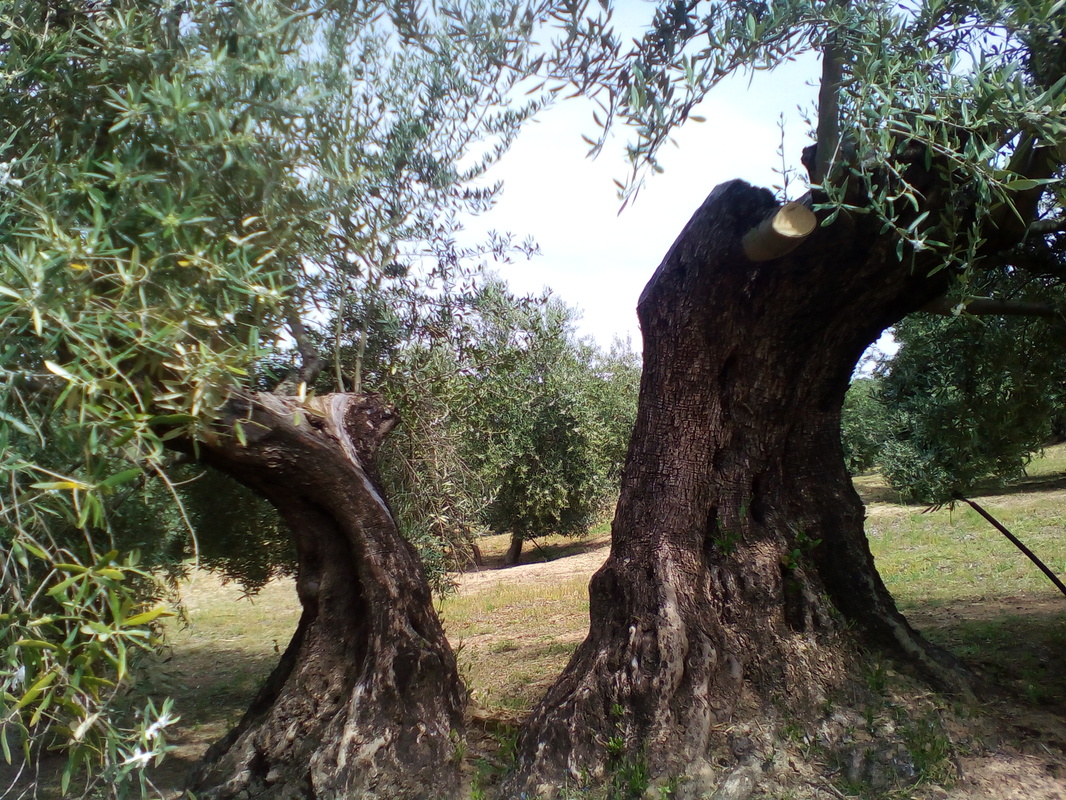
(310,362)
(827,137)
(988,307)
(1017,543)
(780,233)
(1042,227)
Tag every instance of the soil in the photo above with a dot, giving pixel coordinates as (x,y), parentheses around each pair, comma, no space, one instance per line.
(1010,746)
(584,558)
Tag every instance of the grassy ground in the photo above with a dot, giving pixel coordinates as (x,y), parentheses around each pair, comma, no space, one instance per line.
(969,588)
(954,576)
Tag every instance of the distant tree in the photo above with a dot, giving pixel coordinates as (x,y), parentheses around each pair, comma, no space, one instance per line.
(611,391)
(427,355)
(236,533)
(509,423)
(863,424)
(552,421)
(969,400)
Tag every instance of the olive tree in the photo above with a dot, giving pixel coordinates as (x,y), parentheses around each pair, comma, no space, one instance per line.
(185,187)
(740,578)
(968,400)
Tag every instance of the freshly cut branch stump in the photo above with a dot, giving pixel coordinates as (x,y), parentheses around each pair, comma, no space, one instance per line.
(366,701)
(779,233)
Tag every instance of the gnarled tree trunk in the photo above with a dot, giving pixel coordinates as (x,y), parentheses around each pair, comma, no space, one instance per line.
(738,551)
(366,701)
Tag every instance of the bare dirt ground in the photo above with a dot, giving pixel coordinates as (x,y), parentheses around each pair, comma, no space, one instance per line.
(1015,748)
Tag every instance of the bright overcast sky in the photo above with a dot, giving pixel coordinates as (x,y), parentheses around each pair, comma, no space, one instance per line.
(597,260)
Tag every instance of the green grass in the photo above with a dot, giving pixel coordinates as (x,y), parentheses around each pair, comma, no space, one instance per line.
(513,639)
(951,555)
(216,660)
(953,575)
(971,590)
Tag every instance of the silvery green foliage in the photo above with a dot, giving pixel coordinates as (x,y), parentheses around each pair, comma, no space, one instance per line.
(970,93)
(185,187)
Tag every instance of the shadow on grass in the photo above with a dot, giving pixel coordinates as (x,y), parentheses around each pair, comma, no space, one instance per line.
(1016,644)
(872,488)
(211,687)
(541,553)
(1038,483)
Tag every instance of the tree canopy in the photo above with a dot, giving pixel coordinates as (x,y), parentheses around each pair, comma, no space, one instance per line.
(965,402)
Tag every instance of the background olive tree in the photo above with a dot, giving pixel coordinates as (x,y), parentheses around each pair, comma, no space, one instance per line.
(964,403)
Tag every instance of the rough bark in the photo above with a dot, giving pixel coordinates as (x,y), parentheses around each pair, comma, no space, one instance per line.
(738,554)
(366,701)
(514,550)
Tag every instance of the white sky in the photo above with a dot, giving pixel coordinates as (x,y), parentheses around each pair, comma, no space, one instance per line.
(597,260)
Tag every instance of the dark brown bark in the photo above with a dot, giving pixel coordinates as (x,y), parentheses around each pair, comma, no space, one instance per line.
(366,701)
(738,553)
(514,550)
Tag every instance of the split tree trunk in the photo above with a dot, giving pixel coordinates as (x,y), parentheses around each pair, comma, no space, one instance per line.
(738,551)
(366,701)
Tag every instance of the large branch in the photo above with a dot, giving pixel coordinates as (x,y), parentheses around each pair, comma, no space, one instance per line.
(827,136)
(1042,227)
(310,361)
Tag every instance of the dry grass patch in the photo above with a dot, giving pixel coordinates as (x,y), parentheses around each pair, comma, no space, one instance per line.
(216,660)
(514,628)
(512,640)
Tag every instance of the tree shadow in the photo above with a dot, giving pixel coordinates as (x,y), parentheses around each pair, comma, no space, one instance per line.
(542,552)
(211,687)
(1016,644)
(1038,483)
(872,488)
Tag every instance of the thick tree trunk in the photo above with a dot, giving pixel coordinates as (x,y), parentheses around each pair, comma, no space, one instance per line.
(514,551)
(366,701)
(738,552)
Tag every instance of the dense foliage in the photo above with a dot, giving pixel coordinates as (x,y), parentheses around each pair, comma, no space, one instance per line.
(862,425)
(511,423)
(183,187)
(966,401)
